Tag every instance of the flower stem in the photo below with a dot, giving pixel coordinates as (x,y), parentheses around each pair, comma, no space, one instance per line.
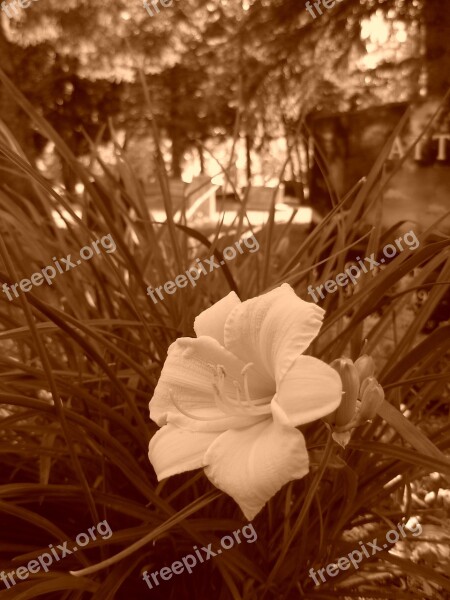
(173,520)
(304,511)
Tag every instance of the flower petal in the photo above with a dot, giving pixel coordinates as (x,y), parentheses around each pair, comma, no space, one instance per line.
(208,421)
(173,450)
(211,321)
(272,330)
(310,390)
(252,464)
(188,376)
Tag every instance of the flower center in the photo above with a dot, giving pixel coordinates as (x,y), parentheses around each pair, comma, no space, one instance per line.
(242,404)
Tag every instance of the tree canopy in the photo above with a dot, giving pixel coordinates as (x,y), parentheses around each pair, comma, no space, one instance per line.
(207,62)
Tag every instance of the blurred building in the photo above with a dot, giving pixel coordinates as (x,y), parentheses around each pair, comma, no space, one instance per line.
(419,185)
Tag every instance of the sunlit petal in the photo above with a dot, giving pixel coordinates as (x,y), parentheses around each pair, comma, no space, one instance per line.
(310,390)
(211,321)
(272,330)
(252,464)
(208,420)
(188,376)
(173,450)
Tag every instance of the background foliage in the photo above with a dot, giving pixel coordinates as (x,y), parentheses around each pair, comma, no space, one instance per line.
(79,360)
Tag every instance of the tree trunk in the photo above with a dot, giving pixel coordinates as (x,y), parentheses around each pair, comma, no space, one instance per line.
(15,119)
(248,157)
(175,125)
(202,160)
(436,17)
(177,152)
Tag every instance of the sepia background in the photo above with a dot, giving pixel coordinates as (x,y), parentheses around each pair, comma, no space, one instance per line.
(178,134)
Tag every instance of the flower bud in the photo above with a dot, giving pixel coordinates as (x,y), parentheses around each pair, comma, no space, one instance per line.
(364,383)
(350,387)
(371,399)
(365,366)
(342,438)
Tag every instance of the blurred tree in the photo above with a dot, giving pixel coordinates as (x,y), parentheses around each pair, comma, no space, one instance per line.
(94,52)
(436,18)
(13,58)
(9,112)
(208,62)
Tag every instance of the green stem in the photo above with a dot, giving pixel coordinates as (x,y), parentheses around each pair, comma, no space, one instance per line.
(304,511)
(180,516)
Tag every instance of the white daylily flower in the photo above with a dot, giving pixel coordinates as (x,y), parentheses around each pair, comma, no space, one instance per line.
(230,400)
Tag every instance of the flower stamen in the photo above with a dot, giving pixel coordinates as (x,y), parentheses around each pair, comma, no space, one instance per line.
(222,400)
(242,405)
(185,412)
(243,402)
(245,376)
